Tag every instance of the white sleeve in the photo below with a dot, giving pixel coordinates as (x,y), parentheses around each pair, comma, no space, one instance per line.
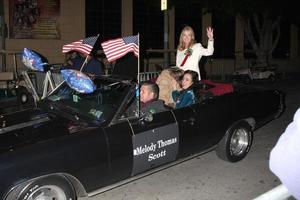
(285,157)
(207,51)
(177,59)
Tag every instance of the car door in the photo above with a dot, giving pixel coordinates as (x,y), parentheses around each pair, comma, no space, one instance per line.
(188,133)
(213,117)
(201,125)
(154,142)
(119,138)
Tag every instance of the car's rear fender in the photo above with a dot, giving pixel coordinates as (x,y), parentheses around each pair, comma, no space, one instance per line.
(250,120)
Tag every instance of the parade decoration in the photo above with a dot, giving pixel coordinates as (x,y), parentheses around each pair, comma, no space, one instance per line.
(117,48)
(33,60)
(84,46)
(78,81)
(187,54)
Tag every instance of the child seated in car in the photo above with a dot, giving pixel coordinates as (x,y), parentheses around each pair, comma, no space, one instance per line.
(184,96)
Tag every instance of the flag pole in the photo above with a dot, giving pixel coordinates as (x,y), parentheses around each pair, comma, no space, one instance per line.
(85,61)
(138,74)
(138,79)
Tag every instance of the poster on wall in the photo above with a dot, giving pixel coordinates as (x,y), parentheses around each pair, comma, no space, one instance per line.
(34,19)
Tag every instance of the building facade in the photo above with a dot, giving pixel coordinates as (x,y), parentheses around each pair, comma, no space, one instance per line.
(78,19)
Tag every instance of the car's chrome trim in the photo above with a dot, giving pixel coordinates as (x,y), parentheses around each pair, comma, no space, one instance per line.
(25,183)
(119,111)
(147,173)
(130,127)
(23,125)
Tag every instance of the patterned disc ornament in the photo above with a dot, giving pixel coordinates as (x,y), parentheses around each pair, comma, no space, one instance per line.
(78,81)
(34,60)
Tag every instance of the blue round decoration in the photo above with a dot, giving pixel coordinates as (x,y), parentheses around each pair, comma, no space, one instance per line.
(78,81)
(33,60)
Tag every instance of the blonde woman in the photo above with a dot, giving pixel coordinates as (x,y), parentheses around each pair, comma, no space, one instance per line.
(189,52)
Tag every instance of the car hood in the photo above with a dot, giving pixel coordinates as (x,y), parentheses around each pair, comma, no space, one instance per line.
(32,126)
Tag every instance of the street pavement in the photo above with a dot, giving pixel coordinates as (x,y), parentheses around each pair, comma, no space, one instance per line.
(206,177)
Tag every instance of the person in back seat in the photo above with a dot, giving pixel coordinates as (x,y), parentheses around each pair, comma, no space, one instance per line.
(189,52)
(167,81)
(185,95)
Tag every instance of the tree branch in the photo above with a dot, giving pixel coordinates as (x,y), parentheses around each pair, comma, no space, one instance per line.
(265,20)
(276,22)
(250,34)
(276,26)
(257,24)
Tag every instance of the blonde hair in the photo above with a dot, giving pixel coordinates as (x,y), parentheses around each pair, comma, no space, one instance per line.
(181,45)
(176,73)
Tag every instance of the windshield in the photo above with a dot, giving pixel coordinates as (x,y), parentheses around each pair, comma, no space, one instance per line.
(101,105)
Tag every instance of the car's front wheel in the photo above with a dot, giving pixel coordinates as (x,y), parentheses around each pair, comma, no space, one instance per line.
(53,187)
(236,143)
(23,95)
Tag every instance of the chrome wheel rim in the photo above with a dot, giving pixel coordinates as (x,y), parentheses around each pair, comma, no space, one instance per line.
(23,98)
(48,192)
(239,142)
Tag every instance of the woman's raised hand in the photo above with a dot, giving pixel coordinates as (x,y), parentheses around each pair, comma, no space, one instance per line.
(210,33)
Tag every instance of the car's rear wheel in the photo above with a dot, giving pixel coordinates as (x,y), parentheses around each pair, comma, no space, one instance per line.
(235,145)
(52,188)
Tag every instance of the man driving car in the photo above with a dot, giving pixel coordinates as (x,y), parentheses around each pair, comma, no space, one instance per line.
(149,102)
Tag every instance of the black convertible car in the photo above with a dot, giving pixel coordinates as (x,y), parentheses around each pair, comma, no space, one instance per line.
(75,144)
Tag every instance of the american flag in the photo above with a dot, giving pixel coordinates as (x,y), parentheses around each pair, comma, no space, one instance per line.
(119,47)
(84,45)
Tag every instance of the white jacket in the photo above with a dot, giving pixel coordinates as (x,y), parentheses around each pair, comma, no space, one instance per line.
(193,60)
(285,157)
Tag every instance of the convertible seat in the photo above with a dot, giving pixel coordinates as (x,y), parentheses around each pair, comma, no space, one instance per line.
(219,88)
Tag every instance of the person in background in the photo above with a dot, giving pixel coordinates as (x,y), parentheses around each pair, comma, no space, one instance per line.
(189,52)
(166,80)
(75,60)
(108,66)
(93,66)
(185,95)
(285,157)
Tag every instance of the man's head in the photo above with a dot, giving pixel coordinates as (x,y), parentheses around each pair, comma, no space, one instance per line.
(149,92)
